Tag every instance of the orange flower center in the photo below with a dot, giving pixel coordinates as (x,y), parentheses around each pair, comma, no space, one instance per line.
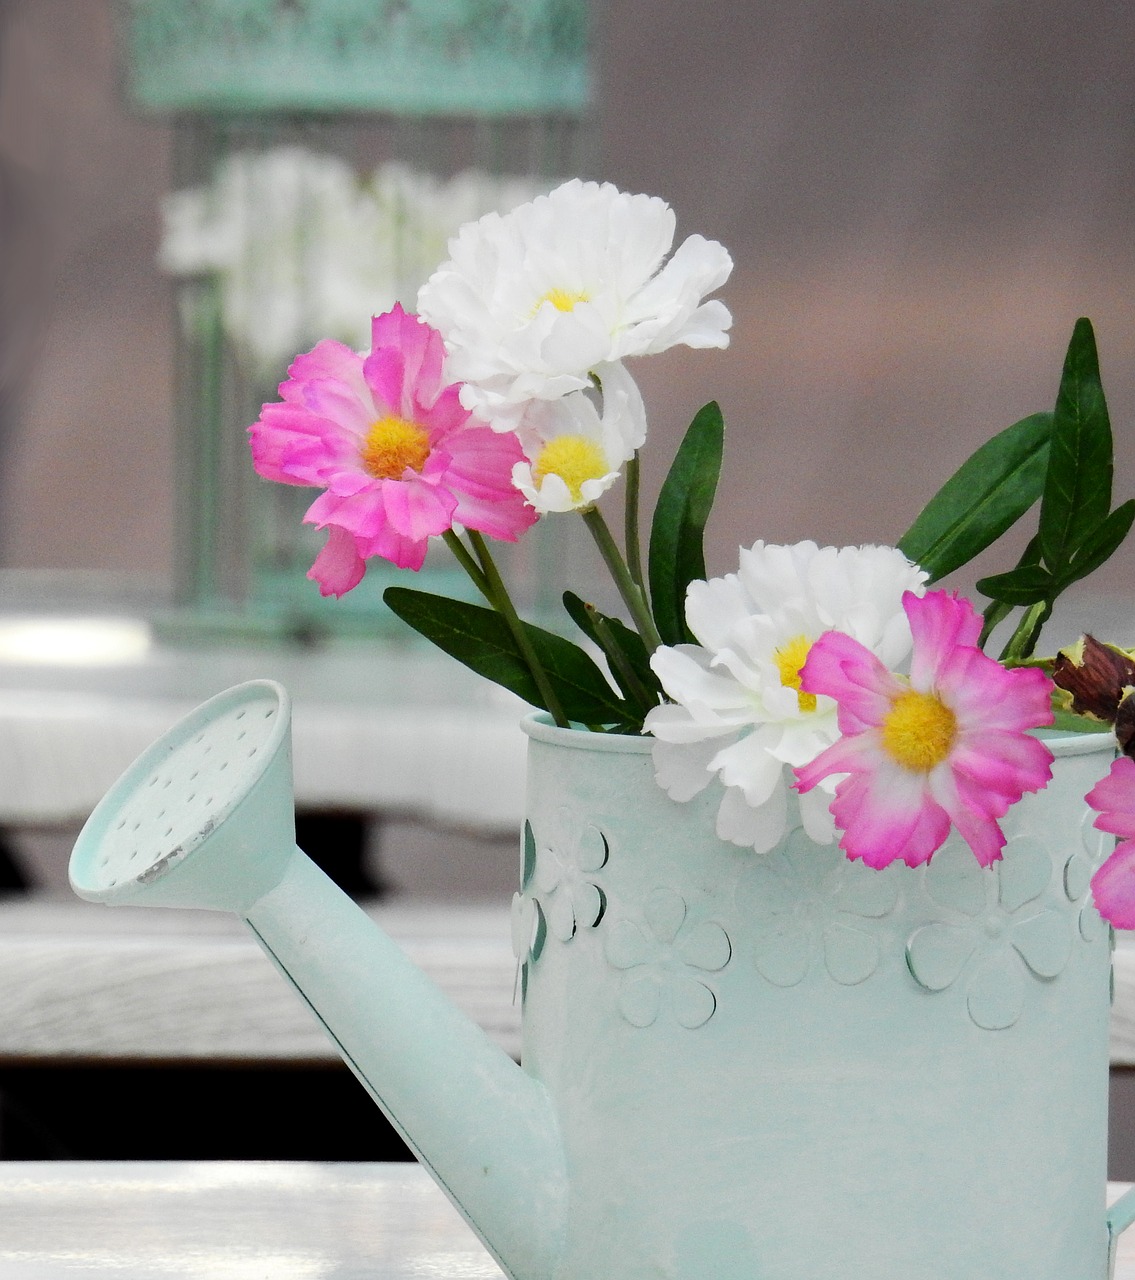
(919,731)
(393,444)
(789,658)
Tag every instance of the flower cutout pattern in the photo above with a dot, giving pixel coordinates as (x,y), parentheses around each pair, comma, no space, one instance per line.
(663,958)
(806,900)
(565,867)
(1078,872)
(999,922)
(529,928)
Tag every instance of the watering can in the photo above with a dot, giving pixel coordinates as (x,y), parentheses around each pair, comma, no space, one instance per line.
(643,1139)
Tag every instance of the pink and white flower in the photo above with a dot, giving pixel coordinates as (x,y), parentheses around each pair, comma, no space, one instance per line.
(398,458)
(947,747)
(1113,885)
(736,711)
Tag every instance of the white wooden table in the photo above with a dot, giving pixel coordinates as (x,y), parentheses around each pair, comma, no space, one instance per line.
(80,981)
(246,1221)
(231,1221)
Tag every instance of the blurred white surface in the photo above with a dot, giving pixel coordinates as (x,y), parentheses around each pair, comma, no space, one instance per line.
(375,728)
(247,1221)
(231,1221)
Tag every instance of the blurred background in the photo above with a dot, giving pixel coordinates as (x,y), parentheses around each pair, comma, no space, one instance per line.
(920,201)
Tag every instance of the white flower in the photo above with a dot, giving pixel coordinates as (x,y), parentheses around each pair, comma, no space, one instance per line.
(575,452)
(304,248)
(737,709)
(530,303)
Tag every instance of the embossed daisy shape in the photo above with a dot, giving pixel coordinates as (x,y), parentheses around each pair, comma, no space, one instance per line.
(566,865)
(807,901)
(1000,933)
(529,927)
(664,958)
(1078,872)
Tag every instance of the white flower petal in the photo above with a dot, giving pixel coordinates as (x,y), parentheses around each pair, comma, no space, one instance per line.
(682,770)
(566,283)
(749,766)
(761,829)
(715,607)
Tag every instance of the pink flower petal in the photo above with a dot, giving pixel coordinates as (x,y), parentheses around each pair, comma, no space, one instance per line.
(939,623)
(969,808)
(1113,797)
(327,359)
(891,809)
(983,693)
(417,510)
(330,402)
(854,753)
(389,544)
(338,568)
(1113,887)
(845,670)
(1006,764)
(887,816)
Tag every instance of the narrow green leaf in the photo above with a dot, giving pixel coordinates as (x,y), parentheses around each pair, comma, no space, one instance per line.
(676,556)
(479,638)
(1025,585)
(625,651)
(1077,489)
(988,494)
(1100,545)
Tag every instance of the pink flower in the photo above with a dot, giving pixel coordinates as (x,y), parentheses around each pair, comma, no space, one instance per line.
(1113,885)
(949,745)
(398,458)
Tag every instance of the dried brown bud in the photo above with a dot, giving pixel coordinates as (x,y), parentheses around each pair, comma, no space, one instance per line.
(1098,676)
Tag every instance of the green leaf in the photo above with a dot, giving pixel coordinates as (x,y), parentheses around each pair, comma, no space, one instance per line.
(1025,585)
(1070,722)
(1100,545)
(676,556)
(625,651)
(480,639)
(1077,489)
(988,494)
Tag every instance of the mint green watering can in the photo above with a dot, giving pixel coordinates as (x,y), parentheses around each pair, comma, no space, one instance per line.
(735,1066)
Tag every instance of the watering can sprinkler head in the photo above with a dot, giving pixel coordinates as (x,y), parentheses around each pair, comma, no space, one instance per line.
(204,817)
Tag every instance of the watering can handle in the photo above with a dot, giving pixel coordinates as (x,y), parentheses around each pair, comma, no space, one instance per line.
(1120,1216)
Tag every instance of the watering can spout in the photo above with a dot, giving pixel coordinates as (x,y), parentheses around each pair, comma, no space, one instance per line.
(204,819)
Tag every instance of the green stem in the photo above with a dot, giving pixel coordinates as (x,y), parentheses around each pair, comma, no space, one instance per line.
(630,591)
(626,674)
(466,561)
(995,612)
(630,524)
(497,595)
(1024,638)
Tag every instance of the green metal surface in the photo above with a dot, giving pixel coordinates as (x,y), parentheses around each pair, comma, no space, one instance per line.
(736,1066)
(410,57)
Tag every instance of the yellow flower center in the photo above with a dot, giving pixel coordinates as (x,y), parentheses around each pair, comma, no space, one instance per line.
(919,731)
(789,658)
(561,299)
(393,444)
(574,459)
